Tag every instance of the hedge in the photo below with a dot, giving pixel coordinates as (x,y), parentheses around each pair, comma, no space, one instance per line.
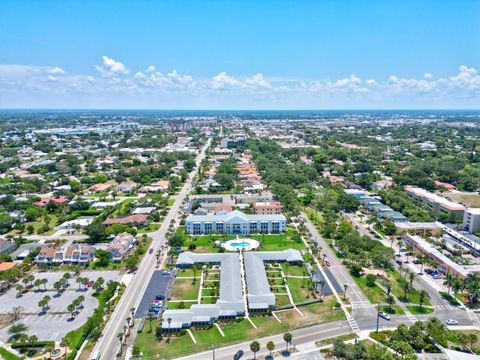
(20,345)
(74,339)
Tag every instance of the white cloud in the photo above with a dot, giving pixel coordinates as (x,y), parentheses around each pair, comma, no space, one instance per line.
(428,75)
(257,80)
(222,80)
(117,81)
(111,67)
(56,70)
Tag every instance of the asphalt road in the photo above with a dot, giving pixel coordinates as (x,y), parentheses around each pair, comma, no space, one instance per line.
(300,336)
(108,345)
(354,294)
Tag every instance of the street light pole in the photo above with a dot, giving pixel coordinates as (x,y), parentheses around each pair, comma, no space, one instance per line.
(213,351)
(378,315)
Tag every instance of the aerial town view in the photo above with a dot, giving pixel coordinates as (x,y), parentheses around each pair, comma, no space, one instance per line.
(161,198)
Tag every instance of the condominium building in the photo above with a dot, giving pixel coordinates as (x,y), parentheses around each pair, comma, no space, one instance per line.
(235,222)
(436,203)
(267,208)
(471,220)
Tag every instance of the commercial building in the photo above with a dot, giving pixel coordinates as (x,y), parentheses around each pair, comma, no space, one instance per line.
(471,220)
(418,228)
(438,204)
(267,208)
(232,142)
(235,222)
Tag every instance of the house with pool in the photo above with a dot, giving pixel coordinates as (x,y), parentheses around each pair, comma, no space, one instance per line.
(235,223)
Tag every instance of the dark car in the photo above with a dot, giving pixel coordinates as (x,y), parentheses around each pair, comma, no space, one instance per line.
(238,355)
(150,251)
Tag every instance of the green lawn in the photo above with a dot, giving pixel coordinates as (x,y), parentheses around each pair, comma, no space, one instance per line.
(7,355)
(395,310)
(374,294)
(282,300)
(235,332)
(397,281)
(176,305)
(299,294)
(415,310)
(184,289)
(294,270)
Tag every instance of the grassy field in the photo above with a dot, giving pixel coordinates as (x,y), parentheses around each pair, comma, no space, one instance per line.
(282,300)
(184,289)
(293,270)
(396,310)
(176,305)
(299,294)
(236,332)
(415,310)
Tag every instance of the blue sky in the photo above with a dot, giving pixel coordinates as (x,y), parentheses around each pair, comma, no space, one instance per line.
(240,54)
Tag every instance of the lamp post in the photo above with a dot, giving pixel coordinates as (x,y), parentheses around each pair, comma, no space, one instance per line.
(213,352)
(378,316)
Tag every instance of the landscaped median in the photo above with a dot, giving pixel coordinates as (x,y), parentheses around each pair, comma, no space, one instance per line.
(7,355)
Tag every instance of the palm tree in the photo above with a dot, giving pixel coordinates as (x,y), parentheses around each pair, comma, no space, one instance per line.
(57,285)
(287,337)
(472,338)
(17,330)
(321,283)
(150,318)
(81,299)
(71,309)
(472,285)
(388,286)
(390,301)
(449,282)
(37,283)
(44,283)
(79,281)
(345,287)
(254,346)
(46,300)
(406,289)
(457,285)
(120,338)
(422,296)
(132,311)
(409,248)
(169,320)
(270,347)
(67,277)
(411,277)
(19,289)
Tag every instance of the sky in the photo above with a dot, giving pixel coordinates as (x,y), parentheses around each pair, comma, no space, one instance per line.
(206,54)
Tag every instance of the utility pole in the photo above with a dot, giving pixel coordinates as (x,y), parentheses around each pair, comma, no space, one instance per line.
(213,351)
(378,315)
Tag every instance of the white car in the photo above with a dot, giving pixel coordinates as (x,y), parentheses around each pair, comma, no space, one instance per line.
(384,315)
(451,322)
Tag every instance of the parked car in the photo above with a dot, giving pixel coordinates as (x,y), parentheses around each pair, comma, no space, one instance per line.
(90,284)
(150,251)
(238,355)
(384,315)
(399,262)
(451,322)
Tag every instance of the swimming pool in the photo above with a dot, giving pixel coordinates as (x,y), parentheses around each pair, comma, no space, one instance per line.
(244,244)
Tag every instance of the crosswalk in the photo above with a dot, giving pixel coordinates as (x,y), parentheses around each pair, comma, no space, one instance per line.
(353,324)
(444,307)
(362,304)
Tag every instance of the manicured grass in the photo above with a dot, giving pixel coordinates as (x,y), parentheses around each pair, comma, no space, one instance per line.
(397,281)
(299,294)
(282,300)
(7,355)
(149,228)
(453,337)
(236,332)
(394,310)
(176,305)
(208,292)
(374,294)
(294,270)
(185,289)
(184,272)
(335,339)
(208,300)
(415,310)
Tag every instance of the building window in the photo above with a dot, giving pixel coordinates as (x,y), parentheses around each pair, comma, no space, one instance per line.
(208,228)
(197,229)
(264,227)
(219,227)
(275,227)
(253,227)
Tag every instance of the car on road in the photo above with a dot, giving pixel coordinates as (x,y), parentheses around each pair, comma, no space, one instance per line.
(326,262)
(238,355)
(384,315)
(451,322)
(150,251)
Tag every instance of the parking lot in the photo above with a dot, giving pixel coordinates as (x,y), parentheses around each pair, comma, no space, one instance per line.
(159,284)
(57,321)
